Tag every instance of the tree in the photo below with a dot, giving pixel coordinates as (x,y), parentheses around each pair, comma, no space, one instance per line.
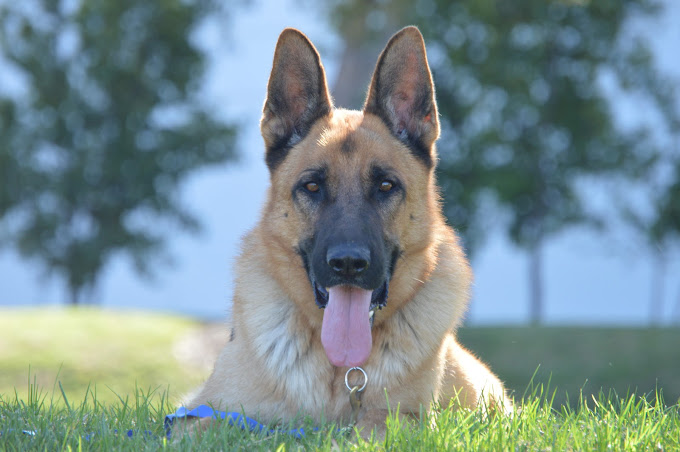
(523,113)
(94,152)
(663,233)
(657,218)
(668,222)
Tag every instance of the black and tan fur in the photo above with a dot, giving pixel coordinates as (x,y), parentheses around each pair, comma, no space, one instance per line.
(361,183)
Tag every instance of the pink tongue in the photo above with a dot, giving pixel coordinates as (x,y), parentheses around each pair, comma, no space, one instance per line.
(346,330)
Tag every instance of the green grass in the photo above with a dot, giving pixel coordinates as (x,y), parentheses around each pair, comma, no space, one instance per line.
(607,423)
(93,372)
(113,351)
(624,360)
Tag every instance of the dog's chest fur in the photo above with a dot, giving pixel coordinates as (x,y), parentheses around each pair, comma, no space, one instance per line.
(285,355)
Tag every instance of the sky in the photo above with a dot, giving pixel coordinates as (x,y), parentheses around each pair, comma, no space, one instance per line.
(588,280)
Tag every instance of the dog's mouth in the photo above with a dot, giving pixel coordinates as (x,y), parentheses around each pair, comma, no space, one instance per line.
(378,298)
(349,310)
(347,321)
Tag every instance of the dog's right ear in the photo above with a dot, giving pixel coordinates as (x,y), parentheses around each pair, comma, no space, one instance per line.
(297,95)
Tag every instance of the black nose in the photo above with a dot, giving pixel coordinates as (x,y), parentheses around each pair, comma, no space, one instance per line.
(348,260)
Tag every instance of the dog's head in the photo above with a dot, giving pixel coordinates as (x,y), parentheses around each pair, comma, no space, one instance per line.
(351,191)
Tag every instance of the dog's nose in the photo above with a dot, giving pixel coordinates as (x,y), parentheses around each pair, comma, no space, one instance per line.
(348,260)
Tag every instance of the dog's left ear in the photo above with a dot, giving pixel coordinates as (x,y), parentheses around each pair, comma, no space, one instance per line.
(402,93)
(297,95)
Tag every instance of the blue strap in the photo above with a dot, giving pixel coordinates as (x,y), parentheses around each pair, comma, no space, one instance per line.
(234,419)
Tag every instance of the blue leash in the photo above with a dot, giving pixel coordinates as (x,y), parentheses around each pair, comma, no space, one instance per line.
(202,411)
(233,418)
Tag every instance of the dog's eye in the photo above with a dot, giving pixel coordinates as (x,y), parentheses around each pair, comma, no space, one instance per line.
(386,186)
(312,187)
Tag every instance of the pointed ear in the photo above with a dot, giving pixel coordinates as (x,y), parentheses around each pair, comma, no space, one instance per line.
(402,93)
(297,95)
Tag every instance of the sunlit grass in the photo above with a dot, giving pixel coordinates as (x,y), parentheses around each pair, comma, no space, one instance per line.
(606,422)
(97,374)
(108,351)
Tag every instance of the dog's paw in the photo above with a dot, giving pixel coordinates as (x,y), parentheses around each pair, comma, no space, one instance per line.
(191,427)
(371,424)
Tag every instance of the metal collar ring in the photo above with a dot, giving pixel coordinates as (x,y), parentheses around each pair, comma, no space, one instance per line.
(360,370)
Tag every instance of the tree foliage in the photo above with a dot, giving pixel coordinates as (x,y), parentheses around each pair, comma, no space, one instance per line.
(95,148)
(525,113)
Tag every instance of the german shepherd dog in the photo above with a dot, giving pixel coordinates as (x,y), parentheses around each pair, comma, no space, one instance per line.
(352,263)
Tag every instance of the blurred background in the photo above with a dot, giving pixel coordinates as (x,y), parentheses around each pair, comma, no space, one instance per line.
(131,164)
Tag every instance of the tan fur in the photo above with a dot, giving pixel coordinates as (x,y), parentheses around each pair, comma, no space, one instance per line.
(275,367)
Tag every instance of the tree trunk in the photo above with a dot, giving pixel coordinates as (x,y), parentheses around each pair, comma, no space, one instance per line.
(676,310)
(74,296)
(536,283)
(354,75)
(657,292)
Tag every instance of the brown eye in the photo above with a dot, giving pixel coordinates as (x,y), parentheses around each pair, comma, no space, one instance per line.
(312,187)
(386,186)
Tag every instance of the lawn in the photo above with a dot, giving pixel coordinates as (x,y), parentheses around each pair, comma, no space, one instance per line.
(624,360)
(113,352)
(137,365)
(608,423)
